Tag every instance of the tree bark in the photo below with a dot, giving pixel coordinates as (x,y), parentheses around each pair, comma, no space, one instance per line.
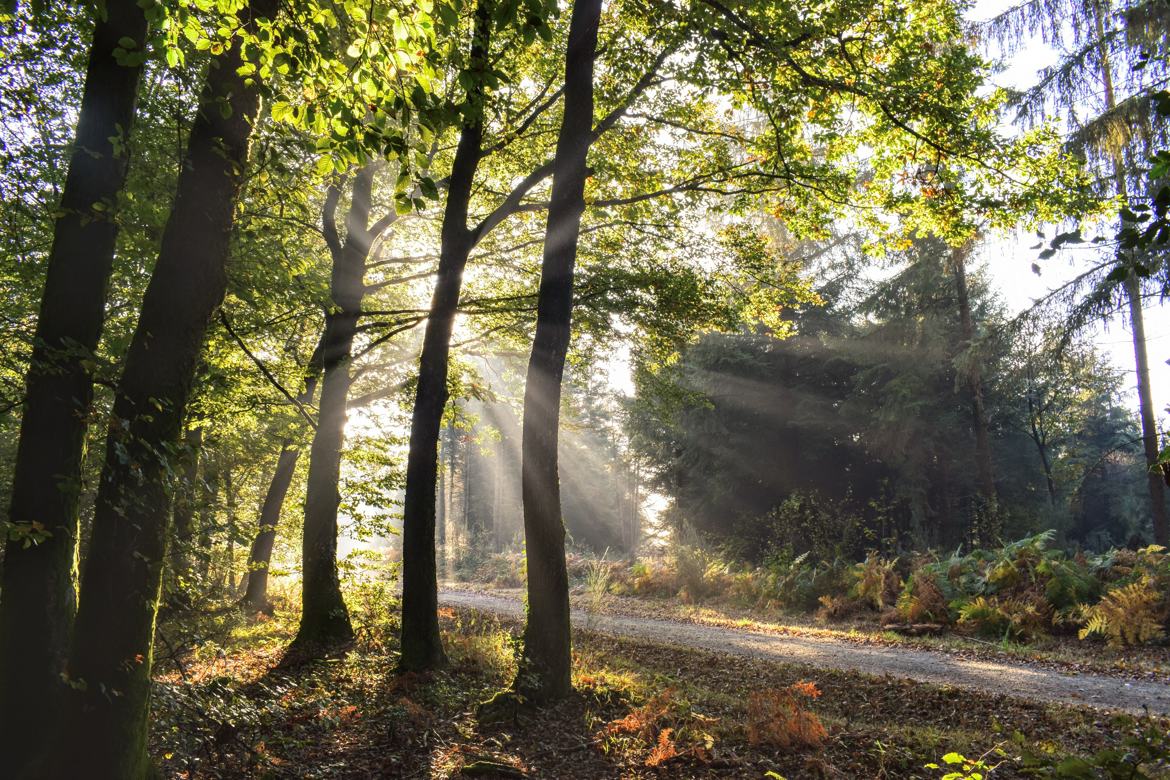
(983,462)
(105,723)
(260,557)
(324,617)
(1146,407)
(39,580)
(422,647)
(545,665)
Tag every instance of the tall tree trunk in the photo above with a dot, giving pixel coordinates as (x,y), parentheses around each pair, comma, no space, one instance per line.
(1146,404)
(422,647)
(39,580)
(324,617)
(260,557)
(1133,290)
(545,665)
(105,724)
(988,529)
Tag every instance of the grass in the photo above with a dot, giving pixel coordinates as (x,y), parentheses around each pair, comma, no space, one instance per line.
(224,710)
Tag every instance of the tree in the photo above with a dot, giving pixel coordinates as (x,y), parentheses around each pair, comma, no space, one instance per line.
(422,648)
(1106,84)
(545,664)
(324,618)
(39,599)
(111,653)
(260,556)
(988,529)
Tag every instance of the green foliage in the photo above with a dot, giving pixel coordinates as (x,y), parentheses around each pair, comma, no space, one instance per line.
(956,766)
(1135,610)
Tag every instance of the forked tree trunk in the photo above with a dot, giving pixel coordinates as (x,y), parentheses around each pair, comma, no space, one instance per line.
(324,617)
(105,721)
(422,647)
(545,665)
(260,557)
(39,580)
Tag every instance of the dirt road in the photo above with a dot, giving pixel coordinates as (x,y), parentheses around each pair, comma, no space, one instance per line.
(937,668)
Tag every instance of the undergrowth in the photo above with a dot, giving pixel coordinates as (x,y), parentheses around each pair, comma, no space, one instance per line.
(1015,593)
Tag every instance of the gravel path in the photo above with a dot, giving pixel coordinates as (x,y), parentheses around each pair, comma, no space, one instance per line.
(922,665)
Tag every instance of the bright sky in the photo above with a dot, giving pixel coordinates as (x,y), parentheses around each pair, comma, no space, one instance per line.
(1009,261)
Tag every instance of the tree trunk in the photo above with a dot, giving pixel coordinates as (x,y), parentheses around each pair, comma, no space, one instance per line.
(184,509)
(105,724)
(207,517)
(228,577)
(545,665)
(39,580)
(1146,403)
(324,617)
(422,647)
(988,529)
(1039,439)
(260,558)
(1133,292)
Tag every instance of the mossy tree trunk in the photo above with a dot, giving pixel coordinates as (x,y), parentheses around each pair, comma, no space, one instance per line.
(105,723)
(40,571)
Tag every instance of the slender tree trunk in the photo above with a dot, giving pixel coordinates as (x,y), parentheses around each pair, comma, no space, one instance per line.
(1146,404)
(444,488)
(229,569)
(324,617)
(1038,438)
(105,723)
(545,665)
(260,558)
(39,580)
(1133,292)
(422,647)
(184,508)
(983,462)
(207,515)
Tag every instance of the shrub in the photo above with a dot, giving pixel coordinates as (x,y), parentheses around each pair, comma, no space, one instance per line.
(877,582)
(666,725)
(779,718)
(1132,614)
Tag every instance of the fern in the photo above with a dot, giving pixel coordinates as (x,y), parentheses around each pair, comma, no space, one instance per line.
(1132,614)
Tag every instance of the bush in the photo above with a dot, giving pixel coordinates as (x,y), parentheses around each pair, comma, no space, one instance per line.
(779,718)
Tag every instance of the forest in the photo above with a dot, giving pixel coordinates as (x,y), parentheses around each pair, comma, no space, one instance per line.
(627,389)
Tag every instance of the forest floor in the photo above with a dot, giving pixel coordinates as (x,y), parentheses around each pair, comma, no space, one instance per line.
(643,707)
(1134,688)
